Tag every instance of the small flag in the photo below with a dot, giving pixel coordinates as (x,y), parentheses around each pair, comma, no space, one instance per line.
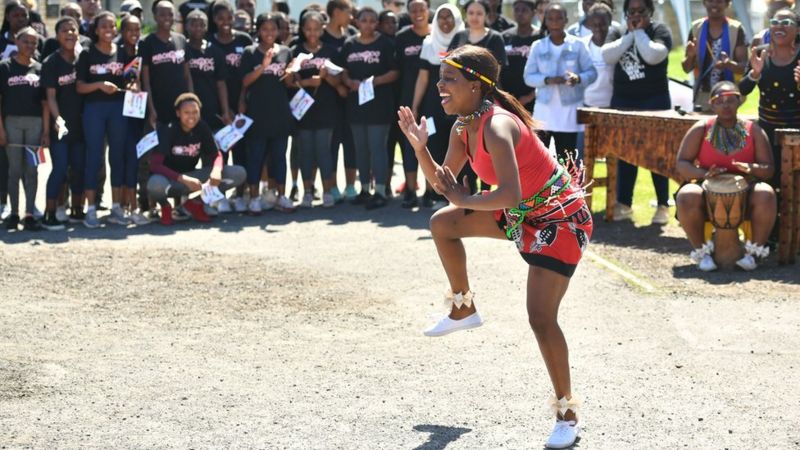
(131,71)
(35,156)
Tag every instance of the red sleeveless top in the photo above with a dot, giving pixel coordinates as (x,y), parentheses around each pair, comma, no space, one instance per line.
(711,156)
(535,163)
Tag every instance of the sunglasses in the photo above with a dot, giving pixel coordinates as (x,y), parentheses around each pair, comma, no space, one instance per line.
(782,22)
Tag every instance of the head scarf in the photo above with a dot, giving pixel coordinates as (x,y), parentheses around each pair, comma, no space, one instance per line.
(436,43)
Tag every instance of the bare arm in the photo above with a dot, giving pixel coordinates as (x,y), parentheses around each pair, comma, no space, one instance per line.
(187,75)
(389,77)
(687,154)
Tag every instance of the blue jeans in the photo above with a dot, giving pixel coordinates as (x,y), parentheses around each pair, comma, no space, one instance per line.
(64,153)
(370,143)
(104,120)
(626,173)
(269,150)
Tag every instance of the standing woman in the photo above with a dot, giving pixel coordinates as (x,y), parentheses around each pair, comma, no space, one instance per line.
(101,81)
(370,55)
(64,103)
(208,70)
(266,101)
(315,128)
(560,68)
(24,122)
(772,70)
(518,46)
(536,204)
(165,73)
(232,42)
(446,23)
(408,44)
(640,84)
(477,33)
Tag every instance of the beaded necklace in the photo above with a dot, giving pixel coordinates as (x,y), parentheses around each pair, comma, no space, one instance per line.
(728,140)
(463,121)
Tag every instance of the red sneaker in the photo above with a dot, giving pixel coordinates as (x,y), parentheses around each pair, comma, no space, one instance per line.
(195,208)
(166,215)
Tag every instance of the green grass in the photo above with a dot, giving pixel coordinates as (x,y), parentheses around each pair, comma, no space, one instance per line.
(675,71)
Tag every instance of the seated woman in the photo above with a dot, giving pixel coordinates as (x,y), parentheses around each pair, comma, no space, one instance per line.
(726,144)
(181,144)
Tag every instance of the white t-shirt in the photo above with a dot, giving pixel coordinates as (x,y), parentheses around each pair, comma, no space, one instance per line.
(553,115)
(599,93)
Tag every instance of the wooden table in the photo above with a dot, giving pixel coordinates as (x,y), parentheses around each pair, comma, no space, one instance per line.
(651,139)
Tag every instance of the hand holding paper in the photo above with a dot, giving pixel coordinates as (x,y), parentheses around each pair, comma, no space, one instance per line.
(366,91)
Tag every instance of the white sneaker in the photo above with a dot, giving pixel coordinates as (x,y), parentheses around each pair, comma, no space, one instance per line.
(328,201)
(61,214)
(707,264)
(239,205)
(255,205)
(308,200)
(661,217)
(139,219)
(564,434)
(118,217)
(747,263)
(90,221)
(210,210)
(223,206)
(447,325)
(5,211)
(284,204)
(268,199)
(37,214)
(622,212)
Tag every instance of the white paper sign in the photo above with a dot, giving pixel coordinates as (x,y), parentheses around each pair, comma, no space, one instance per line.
(300,103)
(366,91)
(332,68)
(61,127)
(298,61)
(149,141)
(11,50)
(210,194)
(233,133)
(431,126)
(135,104)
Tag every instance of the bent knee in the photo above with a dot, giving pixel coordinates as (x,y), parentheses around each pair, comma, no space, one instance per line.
(444,221)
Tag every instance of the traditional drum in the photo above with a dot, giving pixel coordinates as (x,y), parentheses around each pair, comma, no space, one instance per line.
(726,205)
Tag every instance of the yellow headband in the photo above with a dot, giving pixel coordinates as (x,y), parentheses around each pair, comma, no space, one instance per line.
(472,72)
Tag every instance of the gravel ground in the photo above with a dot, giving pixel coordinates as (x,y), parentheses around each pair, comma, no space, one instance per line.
(303,331)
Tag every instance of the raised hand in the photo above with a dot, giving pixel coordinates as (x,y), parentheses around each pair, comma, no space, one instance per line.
(447,185)
(416,133)
(757,60)
(267,58)
(691,49)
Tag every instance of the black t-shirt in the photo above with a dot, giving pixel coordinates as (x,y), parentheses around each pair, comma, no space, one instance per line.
(517,50)
(337,43)
(322,113)
(502,24)
(408,44)
(633,77)
(51,45)
(431,105)
(233,51)
(165,61)
(95,66)
(207,65)
(20,88)
(268,99)
(183,150)
(61,75)
(493,41)
(363,61)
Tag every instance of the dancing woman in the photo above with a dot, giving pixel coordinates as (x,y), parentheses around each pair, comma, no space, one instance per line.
(536,204)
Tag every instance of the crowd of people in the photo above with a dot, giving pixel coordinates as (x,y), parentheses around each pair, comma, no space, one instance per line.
(66,92)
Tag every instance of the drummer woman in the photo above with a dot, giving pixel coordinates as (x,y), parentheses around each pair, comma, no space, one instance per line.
(721,144)
(536,204)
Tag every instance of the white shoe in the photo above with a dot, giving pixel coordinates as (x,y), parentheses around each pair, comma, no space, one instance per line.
(284,204)
(268,199)
(448,325)
(328,201)
(747,263)
(661,217)
(139,219)
(239,205)
(707,264)
(308,200)
(210,210)
(223,206)
(37,214)
(5,211)
(622,212)
(564,434)
(61,214)
(255,205)
(118,217)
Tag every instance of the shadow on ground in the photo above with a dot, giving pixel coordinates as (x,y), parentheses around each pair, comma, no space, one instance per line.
(440,436)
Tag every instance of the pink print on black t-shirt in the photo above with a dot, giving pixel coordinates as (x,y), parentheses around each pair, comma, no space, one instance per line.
(367,56)
(202,64)
(190,150)
(233,59)
(173,56)
(30,79)
(112,68)
(412,50)
(277,69)
(69,78)
(522,50)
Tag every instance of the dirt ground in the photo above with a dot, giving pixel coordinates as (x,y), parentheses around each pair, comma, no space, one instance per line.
(303,331)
